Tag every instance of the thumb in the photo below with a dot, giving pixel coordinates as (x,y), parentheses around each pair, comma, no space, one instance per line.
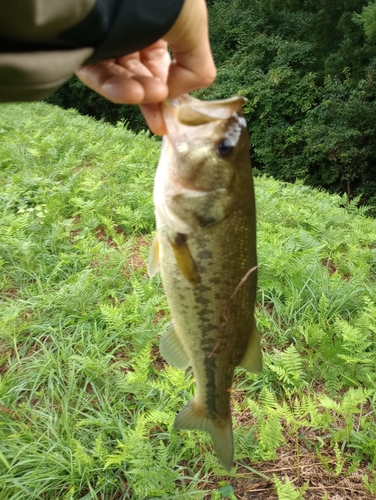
(193,65)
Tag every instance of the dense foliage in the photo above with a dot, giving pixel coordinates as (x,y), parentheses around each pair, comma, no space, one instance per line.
(86,403)
(308,70)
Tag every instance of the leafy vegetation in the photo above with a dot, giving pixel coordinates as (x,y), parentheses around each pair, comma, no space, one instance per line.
(86,403)
(308,70)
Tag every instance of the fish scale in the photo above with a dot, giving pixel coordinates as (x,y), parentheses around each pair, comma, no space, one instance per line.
(206,251)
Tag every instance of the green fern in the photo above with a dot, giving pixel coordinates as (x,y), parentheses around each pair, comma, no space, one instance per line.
(270,435)
(85,412)
(287,367)
(370,483)
(287,491)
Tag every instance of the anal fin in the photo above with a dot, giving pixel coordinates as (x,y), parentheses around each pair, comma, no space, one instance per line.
(172,350)
(252,360)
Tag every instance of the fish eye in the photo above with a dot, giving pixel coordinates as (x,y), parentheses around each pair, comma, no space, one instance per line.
(224,147)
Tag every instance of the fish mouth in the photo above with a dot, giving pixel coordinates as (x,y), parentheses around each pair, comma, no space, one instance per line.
(193,112)
(188,99)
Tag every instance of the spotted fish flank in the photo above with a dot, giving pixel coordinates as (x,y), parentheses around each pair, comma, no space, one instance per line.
(205,249)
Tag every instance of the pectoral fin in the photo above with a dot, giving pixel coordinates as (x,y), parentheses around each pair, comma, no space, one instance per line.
(153,264)
(184,259)
(172,350)
(252,360)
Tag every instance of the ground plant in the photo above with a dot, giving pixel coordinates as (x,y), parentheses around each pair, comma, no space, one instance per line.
(86,402)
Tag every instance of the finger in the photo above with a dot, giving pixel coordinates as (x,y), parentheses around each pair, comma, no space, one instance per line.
(128,83)
(135,90)
(154,118)
(193,66)
(156,59)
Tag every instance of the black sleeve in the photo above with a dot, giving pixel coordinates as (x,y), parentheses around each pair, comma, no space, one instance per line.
(119,27)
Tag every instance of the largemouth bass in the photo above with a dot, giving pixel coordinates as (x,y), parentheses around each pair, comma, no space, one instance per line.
(205,249)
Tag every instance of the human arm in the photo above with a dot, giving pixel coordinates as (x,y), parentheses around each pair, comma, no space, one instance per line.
(57,43)
(148,76)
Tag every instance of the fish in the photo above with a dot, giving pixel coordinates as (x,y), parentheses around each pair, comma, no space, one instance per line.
(205,250)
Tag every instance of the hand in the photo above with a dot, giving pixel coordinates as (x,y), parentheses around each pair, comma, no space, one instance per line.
(149,76)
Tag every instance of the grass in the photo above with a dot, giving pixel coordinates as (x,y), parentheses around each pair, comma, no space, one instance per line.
(86,403)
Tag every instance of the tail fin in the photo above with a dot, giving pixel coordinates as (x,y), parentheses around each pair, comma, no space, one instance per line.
(192,418)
